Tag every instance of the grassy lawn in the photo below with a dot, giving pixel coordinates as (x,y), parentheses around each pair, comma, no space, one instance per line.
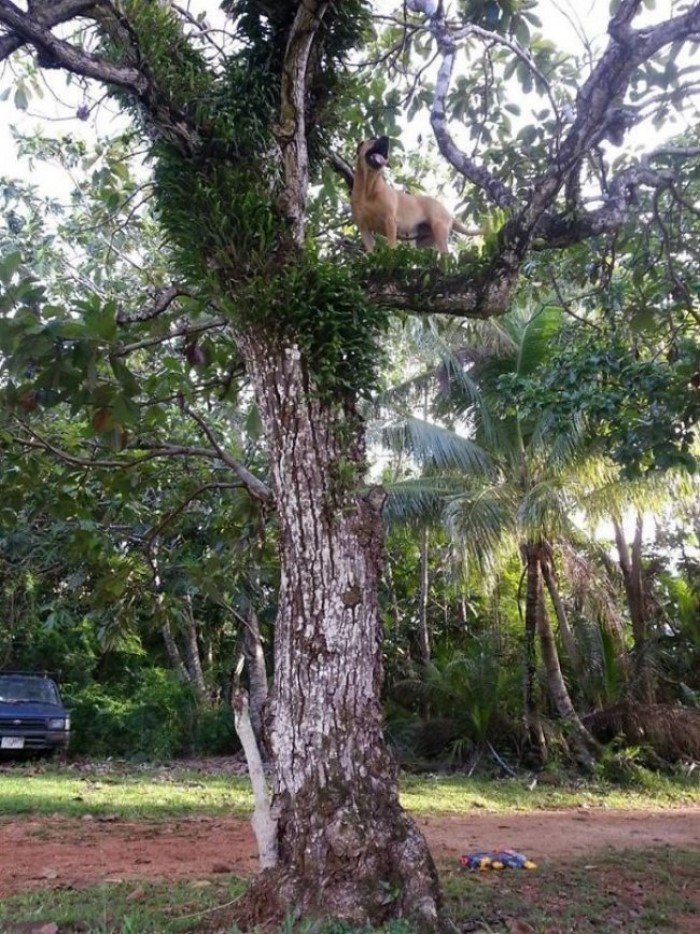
(633,892)
(124,907)
(130,794)
(151,793)
(453,795)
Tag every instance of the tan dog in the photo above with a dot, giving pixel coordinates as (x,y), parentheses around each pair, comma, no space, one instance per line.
(377,208)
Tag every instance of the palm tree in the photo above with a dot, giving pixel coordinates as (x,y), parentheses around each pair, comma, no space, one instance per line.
(514,484)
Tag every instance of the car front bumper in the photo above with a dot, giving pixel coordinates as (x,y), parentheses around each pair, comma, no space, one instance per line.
(18,740)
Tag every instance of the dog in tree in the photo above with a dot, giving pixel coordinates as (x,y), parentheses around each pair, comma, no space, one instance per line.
(377,208)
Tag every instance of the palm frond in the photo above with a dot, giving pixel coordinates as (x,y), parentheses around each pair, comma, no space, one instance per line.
(545,510)
(559,447)
(481,521)
(418,500)
(537,338)
(435,447)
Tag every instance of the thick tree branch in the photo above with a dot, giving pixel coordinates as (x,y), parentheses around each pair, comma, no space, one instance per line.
(48,15)
(537,218)
(135,77)
(476,174)
(562,230)
(291,131)
(60,54)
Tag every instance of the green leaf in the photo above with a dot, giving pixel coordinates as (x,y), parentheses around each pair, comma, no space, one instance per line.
(21,99)
(9,266)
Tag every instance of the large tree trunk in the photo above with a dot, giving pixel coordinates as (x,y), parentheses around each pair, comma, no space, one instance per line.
(346,847)
(583,742)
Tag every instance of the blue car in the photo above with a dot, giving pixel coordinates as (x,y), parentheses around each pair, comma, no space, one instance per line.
(32,715)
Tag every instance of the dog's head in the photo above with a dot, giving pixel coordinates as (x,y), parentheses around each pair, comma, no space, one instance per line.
(374,153)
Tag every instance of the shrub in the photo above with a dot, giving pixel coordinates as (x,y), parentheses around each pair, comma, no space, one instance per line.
(160,719)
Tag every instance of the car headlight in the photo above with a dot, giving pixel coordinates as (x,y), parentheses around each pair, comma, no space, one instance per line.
(59,723)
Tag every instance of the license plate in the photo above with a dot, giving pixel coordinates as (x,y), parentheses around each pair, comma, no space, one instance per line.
(12,742)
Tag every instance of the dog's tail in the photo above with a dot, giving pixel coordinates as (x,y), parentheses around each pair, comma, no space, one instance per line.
(469,231)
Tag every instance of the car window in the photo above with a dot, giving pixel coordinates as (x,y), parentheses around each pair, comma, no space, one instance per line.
(17,689)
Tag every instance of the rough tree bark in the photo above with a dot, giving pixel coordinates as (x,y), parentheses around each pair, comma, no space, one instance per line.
(346,847)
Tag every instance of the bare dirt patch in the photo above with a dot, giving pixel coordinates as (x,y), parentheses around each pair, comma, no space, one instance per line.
(53,852)
(570,834)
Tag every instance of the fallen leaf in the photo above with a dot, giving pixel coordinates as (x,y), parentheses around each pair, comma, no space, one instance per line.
(221,867)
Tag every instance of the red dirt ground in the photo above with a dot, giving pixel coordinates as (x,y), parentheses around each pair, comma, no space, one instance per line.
(49,852)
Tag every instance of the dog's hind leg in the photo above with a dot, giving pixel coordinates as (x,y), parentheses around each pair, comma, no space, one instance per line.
(440,234)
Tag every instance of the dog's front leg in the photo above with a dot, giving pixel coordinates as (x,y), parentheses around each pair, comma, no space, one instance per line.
(391,231)
(368,240)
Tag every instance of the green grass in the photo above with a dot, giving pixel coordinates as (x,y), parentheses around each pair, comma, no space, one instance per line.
(453,795)
(633,891)
(126,907)
(152,793)
(137,795)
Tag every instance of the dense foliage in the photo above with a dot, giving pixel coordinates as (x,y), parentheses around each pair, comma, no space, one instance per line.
(590,386)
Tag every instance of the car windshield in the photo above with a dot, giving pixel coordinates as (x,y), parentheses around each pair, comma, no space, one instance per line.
(14,688)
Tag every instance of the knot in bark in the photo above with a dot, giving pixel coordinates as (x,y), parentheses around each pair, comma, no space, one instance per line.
(344,837)
(285,132)
(352,596)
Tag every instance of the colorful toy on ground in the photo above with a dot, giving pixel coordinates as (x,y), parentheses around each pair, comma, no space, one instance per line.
(497,859)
